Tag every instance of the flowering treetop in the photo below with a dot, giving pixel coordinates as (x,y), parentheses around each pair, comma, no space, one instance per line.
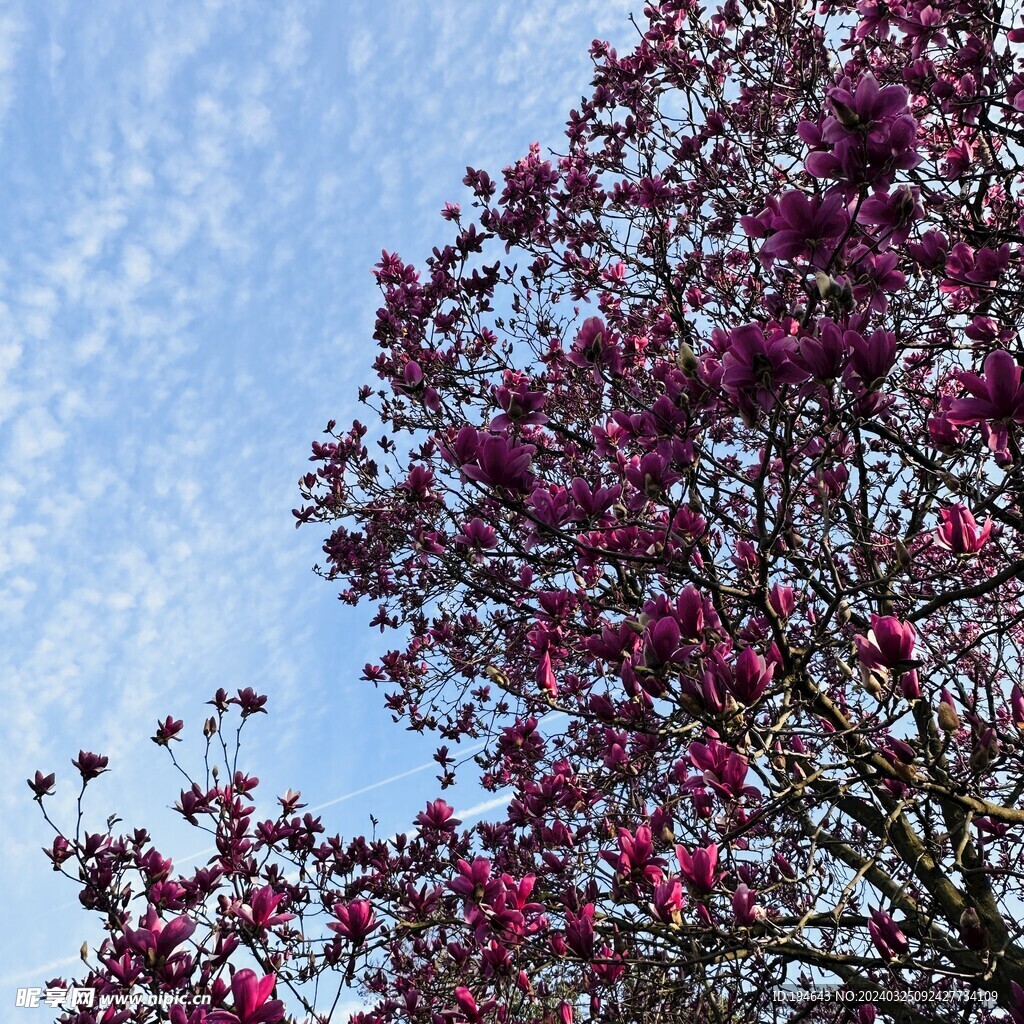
(697,498)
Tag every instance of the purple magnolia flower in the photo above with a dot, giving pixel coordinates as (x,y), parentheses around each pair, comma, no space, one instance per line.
(785,867)
(635,858)
(782,601)
(727,778)
(998,394)
(462,448)
(930,251)
(439,816)
(871,131)
(744,906)
(893,212)
(520,406)
(824,356)
(596,346)
(699,868)
(42,785)
(865,105)
(661,642)
(90,765)
(356,921)
(889,644)
(1017,999)
(250,702)
(252,1002)
(593,500)
(960,533)
(807,227)
(167,730)
(478,536)
(985,751)
(871,358)
(651,474)
(413,384)
(179,1015)
(579,932)
(475,882)
(469,1011)
(751,677)
(260,913)
(1017,707)
(668,901)
(876,275)
(500,462)
(545,677)
(943,434)
(889,940)
(158,938)
(756,366)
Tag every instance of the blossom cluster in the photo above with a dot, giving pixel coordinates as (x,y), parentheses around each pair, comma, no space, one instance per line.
(693,496)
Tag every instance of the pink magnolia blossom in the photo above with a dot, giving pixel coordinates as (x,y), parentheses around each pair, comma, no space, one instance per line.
(669,901)
(744,906)
(260,914)
(807,227)
(475,882)
(438,817)
(252,1002)
(751,676)
(889,644)
(355,921)
(156,937)
(698,868)
(960,532)
(1017,707)
(90,765)
(520,406)
(501,462)
(998,393)
(887,936)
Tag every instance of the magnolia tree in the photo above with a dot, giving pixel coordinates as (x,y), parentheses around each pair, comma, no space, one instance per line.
(698,505)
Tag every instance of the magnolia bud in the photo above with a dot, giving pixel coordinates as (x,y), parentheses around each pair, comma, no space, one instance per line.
(949,720)
(209,727)
(84,952)
(686,358)
(1017,707)
(986,750)
(496,675)
(824,283)
(902,554)
(873,680)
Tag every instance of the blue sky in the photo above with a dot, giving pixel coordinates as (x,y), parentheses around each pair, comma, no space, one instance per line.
(194,194)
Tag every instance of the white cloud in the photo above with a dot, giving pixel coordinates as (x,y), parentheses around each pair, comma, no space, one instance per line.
(11,30)
(184,301)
